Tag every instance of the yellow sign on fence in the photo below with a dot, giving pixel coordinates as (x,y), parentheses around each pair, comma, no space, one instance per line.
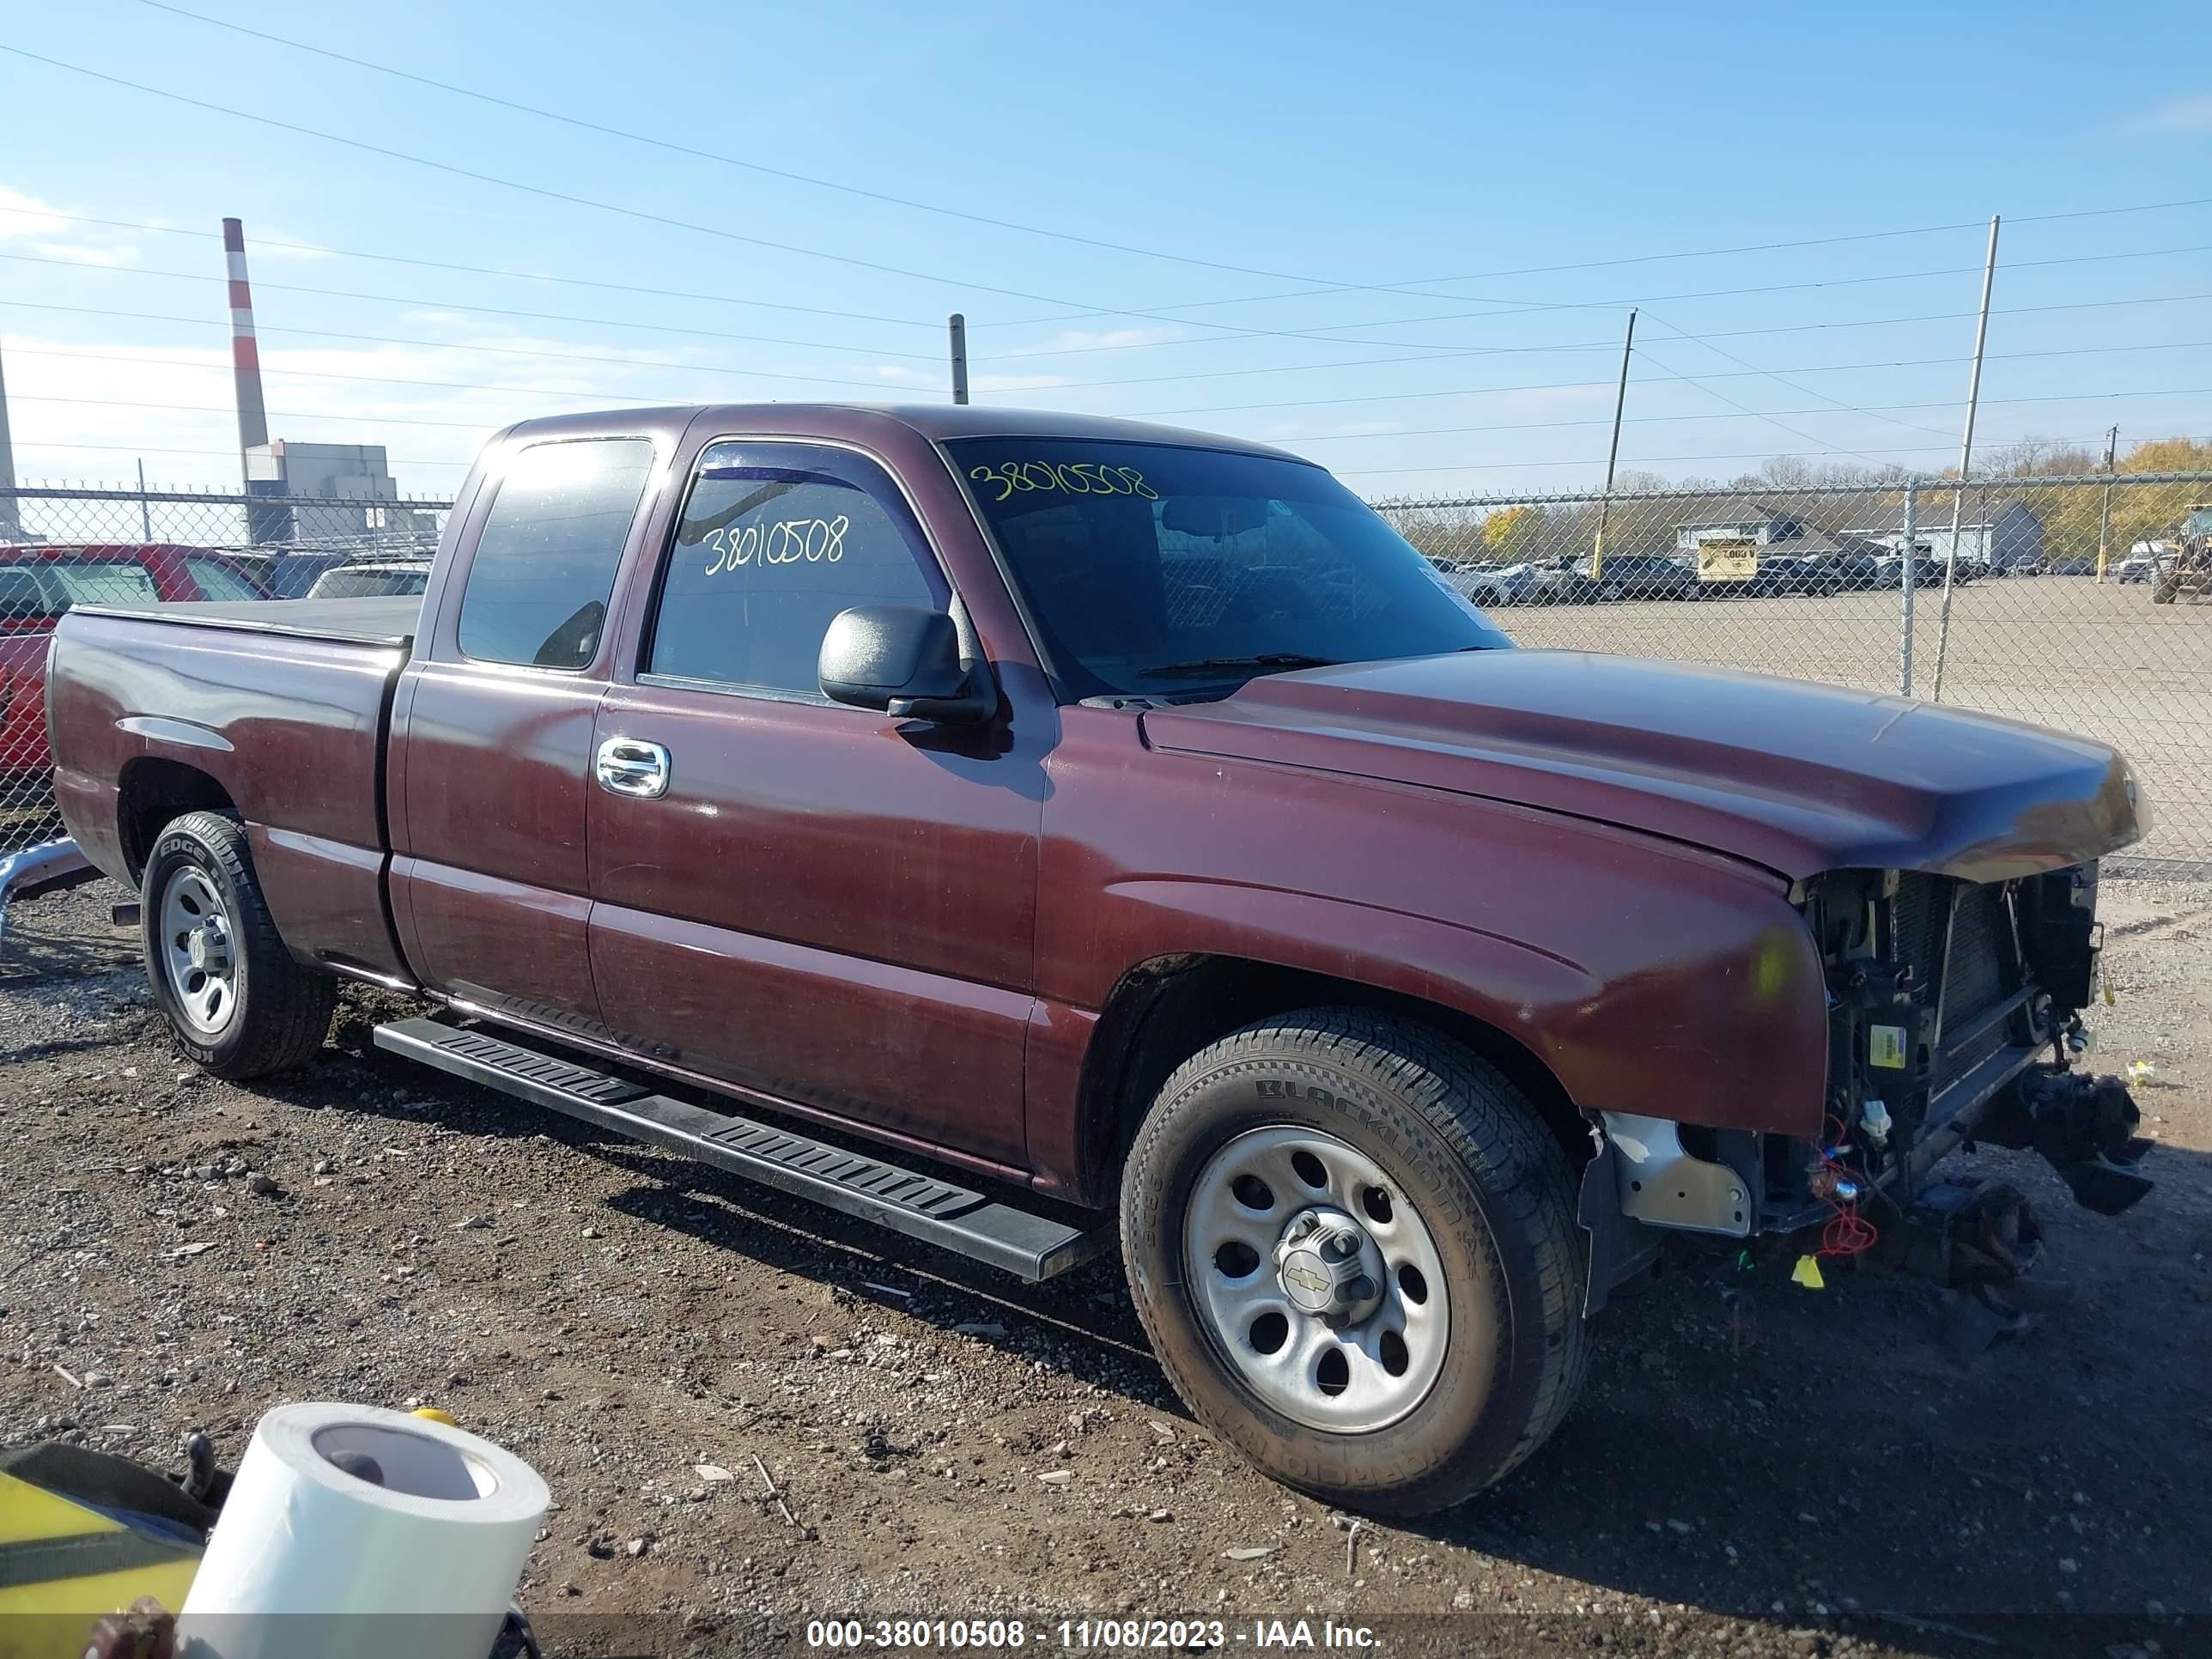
(1736,560)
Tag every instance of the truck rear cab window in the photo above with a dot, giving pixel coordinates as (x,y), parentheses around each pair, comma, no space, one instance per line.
(775,540)
(544,564)
(217,580)
(103,582)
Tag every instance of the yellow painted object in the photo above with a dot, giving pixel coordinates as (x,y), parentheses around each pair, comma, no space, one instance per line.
(434,1416)
(62,1565)
(1808,1273)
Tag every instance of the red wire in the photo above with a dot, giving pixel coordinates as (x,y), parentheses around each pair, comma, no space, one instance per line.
(1847,1233)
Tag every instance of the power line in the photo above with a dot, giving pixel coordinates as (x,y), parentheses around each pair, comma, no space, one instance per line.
(454,345)
(761,168)
(1416,352)
(1654,460)
(284,414)
(1315,438)
(1577,385)
(1506,307)
(1593,345)
(319,251)
(638,214)
(1323,284)
(1647,258)
(1740,362)
(589,394)
(653,218)
(1769,373)
(1324,335)
(480,310)
(231,454)
(601,395)
(1747,409)
(1633,420)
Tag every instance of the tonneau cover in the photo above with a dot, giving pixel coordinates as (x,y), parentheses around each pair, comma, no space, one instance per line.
(383,621)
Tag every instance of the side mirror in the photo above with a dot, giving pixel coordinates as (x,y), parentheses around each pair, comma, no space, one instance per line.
(905,661)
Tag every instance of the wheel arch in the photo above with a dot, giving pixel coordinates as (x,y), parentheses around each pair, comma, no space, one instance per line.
(1165,1010)
(151,793)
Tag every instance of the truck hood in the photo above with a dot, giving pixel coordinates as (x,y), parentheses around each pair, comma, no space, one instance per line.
(1798,777)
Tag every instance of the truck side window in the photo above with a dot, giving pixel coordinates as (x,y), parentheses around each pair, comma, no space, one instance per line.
(776,539)
(544,564)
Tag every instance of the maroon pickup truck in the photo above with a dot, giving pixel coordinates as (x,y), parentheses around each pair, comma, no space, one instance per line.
(984,821)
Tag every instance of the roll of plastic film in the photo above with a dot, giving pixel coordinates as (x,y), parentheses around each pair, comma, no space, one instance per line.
(352,1531)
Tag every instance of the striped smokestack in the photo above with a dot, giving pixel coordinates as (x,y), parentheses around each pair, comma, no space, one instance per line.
(245,354)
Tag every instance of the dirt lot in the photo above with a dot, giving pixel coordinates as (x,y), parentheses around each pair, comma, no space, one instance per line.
(2061,651)
(620,1318)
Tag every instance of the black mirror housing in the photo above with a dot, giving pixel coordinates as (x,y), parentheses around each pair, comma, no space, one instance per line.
(905,661)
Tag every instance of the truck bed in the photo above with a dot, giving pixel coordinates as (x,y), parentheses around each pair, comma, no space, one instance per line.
(281,705)
(387,621)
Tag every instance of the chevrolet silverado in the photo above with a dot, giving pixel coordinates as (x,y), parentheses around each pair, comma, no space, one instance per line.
(1009,826)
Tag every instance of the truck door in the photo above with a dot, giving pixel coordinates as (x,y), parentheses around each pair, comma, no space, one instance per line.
(492,735)
(825,907)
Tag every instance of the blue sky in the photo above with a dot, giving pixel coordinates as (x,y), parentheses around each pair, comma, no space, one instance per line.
(1474,153)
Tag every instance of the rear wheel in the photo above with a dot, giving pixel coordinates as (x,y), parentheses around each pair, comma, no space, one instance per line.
(2163,593)
(1354,1246)
(236,1002)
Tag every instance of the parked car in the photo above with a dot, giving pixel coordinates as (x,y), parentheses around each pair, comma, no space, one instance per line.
(1041,834)
(1927,571)
(1815,574)
(1545,581)
(367,581)
(1641,576)
(2142,563)
(40,582)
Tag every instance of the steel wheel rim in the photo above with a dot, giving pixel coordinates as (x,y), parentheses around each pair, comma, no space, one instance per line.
(1344,1373)
(197,952)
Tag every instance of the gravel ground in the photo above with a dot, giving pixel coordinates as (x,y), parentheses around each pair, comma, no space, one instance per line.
(177,1253)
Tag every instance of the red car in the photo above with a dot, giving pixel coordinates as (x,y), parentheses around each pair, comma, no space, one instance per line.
(39,583)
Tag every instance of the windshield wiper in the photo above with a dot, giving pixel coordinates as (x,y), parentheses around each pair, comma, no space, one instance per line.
(1224,665)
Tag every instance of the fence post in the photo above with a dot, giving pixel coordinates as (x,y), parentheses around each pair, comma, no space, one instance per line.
(1906,573)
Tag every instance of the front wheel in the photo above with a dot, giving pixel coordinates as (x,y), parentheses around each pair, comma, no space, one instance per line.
(1353,1245)
(238,1004)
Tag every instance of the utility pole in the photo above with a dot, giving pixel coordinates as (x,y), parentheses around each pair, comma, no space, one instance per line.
(957,326)
(145,511)
(2104,511)
(1966,453)
(1612,453)
(11,517)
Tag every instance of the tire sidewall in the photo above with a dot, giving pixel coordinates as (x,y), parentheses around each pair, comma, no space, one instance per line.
(183,844)
(1471,1415)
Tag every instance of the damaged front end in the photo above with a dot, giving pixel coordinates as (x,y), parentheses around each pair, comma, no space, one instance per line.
(1955,1017)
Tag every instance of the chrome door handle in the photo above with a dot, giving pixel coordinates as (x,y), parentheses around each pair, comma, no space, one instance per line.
(628,767)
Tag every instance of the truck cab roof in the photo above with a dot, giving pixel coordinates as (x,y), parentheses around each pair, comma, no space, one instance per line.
(860,423)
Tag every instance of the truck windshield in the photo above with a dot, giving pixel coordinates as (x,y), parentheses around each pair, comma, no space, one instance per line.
(1156,569)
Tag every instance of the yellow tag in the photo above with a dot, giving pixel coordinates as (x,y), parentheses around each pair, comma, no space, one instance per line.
(1885,1047)
(2109,1000)
(1808,1273)
(434,1415)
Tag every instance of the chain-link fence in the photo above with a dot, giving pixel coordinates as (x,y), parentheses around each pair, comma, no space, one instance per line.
(2073,602)
(60,547)
(2069,602)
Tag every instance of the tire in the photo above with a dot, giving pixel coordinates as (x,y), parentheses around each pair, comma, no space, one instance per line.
(1473,1168)
(238,1004)
(2164,594)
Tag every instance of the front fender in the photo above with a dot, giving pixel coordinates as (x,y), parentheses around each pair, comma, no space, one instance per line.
(1647,977)
(1699,1002)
